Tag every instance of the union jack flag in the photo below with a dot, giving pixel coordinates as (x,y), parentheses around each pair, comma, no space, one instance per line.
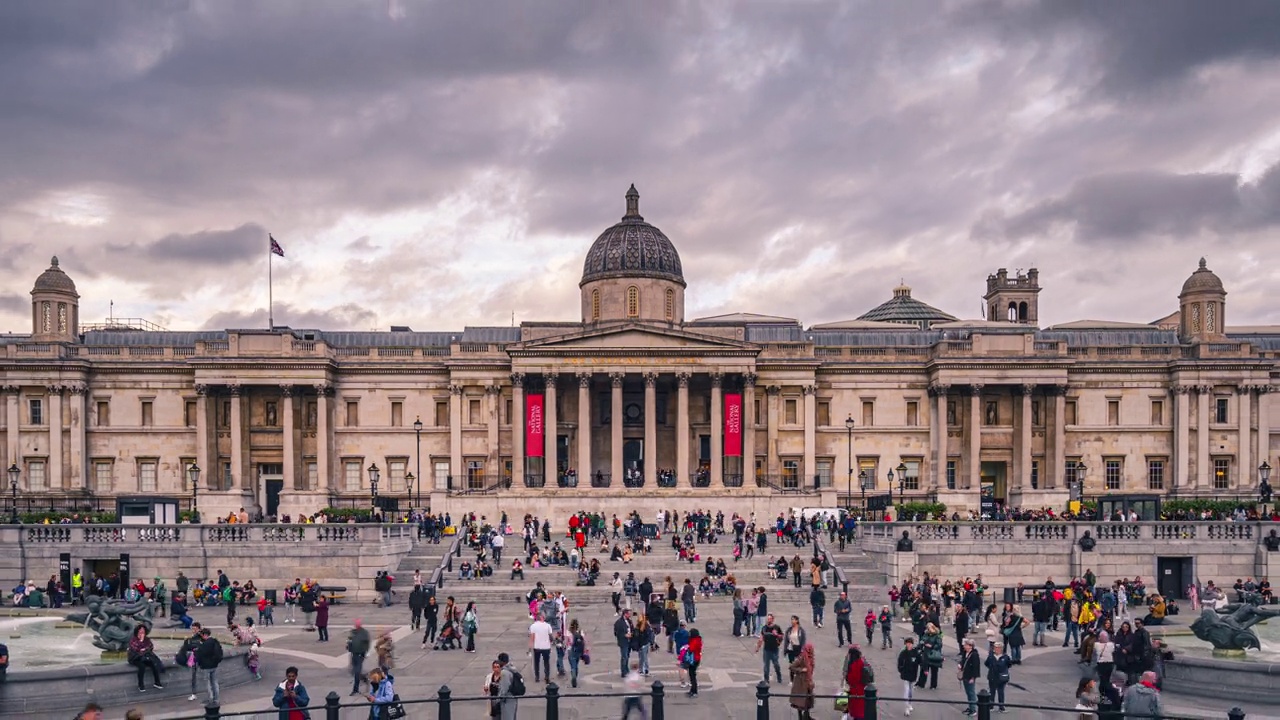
(275,246)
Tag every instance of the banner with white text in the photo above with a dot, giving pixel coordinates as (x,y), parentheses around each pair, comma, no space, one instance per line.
(733,424)
(533,439)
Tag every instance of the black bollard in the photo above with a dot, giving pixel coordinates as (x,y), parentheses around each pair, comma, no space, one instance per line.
(659,695)
(445,697)
(762,700)
(984,704)
(1235,713)
(212,711)
(553,701)
(869,694)
(331,709)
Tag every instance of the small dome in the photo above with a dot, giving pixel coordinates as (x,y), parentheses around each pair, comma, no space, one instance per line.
(1203,280)
(632,248)
(54,280)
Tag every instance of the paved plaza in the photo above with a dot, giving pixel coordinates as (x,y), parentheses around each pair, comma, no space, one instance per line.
(728,677)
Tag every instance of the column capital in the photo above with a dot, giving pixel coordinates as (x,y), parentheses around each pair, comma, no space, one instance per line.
(809,389)
(584,379)
(77,388)
(286,391)
(455,389)
(323,389)
(975,389)
(749,380)
(517,379)
(1025,389)
(235,390)
(1057,390)
(939,389)
(615,379)
(13,389)
(683,379)
(717,379)
(1180,389)
(1203,389)
(650,379)
(549,379)
(55,389)
(202,390)
(492,389)
(773,390)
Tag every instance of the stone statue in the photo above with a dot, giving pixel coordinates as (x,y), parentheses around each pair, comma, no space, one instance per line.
(114,621)
(904,543)
(1272,541)
(1229,628)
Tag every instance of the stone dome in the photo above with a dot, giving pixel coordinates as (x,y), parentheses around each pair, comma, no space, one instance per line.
(54,280)
(632,248)
(1203,280)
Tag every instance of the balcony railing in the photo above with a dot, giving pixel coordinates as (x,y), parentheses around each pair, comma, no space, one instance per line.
(535,480)
(733,480)
(601,479)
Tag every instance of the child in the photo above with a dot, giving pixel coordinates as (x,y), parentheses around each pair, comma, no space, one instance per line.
(264,612)
(252,659)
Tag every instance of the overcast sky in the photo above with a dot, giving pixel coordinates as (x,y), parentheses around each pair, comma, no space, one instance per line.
(448,164)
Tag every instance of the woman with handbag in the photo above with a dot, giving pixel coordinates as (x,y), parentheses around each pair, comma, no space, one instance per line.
(382,694)
(578,653)
(1011,629)
(802,682)
(142,655)
(855,675)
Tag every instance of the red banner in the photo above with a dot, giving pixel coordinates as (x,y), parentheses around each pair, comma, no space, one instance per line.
(733,425)
(533,439)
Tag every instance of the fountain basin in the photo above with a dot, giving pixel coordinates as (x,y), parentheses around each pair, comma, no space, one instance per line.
(1247,676)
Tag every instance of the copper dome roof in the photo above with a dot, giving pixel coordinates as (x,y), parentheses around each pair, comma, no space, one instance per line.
(1203,279)
(632,248)
(54,280)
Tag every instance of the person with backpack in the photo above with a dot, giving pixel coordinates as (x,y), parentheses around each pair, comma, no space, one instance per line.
(693,658)
(577,643)
(358,644)
(908,668)
(208,656)
(998,664)
(857,675)
(510,689)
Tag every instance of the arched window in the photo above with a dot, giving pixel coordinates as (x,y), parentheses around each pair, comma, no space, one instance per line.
(595,305)
(671,304)
(633,301)
(1022,311)
(1013,312)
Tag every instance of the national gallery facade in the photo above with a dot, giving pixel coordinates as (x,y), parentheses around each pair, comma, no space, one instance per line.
(635,406)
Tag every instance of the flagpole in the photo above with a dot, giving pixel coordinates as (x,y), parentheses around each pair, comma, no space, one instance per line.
(271,323)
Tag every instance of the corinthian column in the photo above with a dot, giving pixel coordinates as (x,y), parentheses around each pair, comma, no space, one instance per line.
(615,428)
(717,430)
(651,429)
(584,426)
(682,430)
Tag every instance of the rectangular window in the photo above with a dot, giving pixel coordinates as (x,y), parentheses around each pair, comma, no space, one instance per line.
(102,481)
(228,480)
(397,413)
(1037,419)
(1114,473)
(952,416)
(912,479)
(868,413)
(791,472)
(506,469)
(824,472)
(353,413)
(395,474)
(35,411)
(1155,473)
(1221,473)
(913,413)
(1069,412)
(759,412)
(867,473)
(1070,473)
(189,413)
(824,413)
(474,415)
(790,416)
(103,412)
(442,474)
(225,420)
(1157,412)
(1035,474)
(475,474)
(184,480)
(147,476)
(951,474)
(313,475)
(148,416)
(352,476)
(442,413)
(1113,412)
(506,411)
(37,481)
(1221,406)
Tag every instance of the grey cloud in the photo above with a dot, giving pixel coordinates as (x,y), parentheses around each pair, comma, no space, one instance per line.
(221,248)
(342,317)
(13,303)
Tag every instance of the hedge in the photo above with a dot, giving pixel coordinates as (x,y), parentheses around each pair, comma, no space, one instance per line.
(926,510)
(345,514)
(1193,505)
(57,516)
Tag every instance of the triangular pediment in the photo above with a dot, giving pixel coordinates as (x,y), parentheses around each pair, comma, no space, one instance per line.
(634,337)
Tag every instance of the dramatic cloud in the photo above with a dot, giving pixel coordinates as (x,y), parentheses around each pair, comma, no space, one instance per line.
(441,164)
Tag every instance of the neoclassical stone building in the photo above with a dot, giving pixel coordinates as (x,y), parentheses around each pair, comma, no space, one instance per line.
(633,405)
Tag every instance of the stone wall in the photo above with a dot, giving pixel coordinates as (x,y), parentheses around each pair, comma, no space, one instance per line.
(269,555)
(1008,553)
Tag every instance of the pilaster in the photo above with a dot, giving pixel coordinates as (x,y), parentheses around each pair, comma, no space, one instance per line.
(651,430)
(717,429)
(682,430)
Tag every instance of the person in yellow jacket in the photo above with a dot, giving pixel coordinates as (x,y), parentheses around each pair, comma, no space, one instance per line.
(1157,613)
(77,585)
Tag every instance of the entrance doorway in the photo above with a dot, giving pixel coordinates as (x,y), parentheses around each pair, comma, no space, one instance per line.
(994,485)
(1174,575)
(271,480)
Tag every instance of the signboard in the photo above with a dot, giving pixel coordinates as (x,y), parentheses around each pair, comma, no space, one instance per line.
(533,429)
(733,425)
(124,572)
(64,570)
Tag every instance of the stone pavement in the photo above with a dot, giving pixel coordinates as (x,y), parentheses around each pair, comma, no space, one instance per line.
(728,675)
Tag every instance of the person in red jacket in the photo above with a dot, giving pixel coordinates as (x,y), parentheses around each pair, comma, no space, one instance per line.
(694,656)
(853,678)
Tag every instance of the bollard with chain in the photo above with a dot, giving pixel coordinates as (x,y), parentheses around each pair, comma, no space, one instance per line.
(1235,713)
(762,700)
(659,694)
(984,704)
(553,701)
(870,711)
(331,709)
(212,711)
(445,697)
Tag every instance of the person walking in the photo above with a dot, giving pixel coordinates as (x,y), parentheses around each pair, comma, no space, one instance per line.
(382,694)
(431,611)
(1143,700)
(885,620)
(417,602)
(970,671)
(908,669)
(540,638)
(641,641)
(307,601)
(358,644)
(633,686)
(693,659)
(802,669)
(622,634)
(688,597)
(471,625)
(795,640)
(817,603)
(1104,657)
(770,641)
(797,567)
(930,656)
(187,658)
(322,620)
(208,656)
(291,697)
(856,678)
(1011,630)
(844,628)
(577,643)
(998,664)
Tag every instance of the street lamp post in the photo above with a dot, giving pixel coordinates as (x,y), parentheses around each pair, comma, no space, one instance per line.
(1264,484)
(891,485)
(374,473)
(14,472)
(409,479)
(902,482)
(193,472)
(1080,471)
(417,431)
(848,426)
(862,481)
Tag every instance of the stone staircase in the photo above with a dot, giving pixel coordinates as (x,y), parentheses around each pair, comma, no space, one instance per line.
(424,556)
